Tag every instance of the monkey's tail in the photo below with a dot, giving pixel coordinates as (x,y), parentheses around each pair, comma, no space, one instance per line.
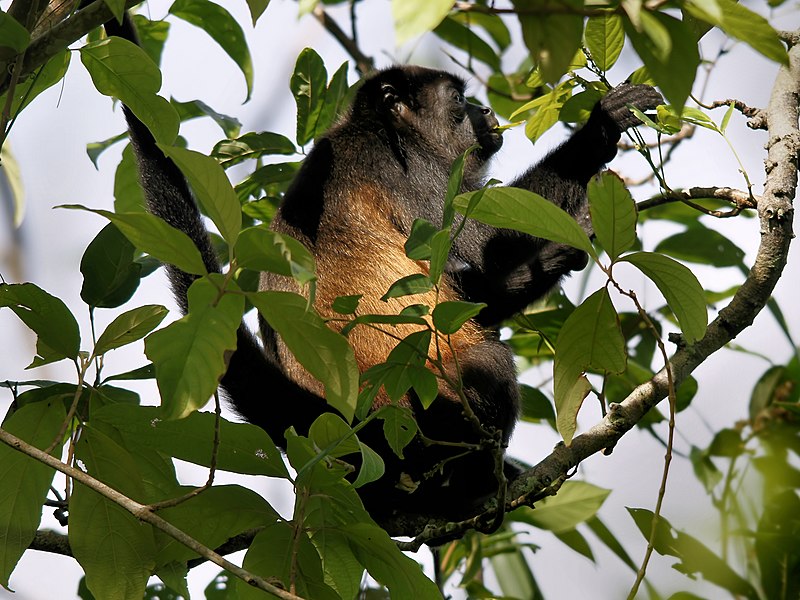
(254,383)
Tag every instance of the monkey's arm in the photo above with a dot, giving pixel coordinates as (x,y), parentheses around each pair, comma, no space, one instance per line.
(508,270)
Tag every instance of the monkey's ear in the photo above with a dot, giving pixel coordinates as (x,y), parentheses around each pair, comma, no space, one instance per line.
(393,105)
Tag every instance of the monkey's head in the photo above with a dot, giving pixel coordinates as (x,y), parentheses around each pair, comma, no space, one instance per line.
(427,110)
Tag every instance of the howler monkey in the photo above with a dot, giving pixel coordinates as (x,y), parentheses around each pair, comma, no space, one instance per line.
(352,204)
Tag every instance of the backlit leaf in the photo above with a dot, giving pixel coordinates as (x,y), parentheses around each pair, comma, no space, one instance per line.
(222,27)
(680,287)
(189,354)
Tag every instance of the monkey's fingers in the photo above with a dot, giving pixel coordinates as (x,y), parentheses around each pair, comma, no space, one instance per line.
(616,102)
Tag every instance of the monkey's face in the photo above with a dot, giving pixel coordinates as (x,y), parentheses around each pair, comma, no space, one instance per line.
(427,110)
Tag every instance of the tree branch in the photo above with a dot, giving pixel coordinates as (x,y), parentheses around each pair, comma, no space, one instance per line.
(775,212)
(364,63)
(738,198)
(143,513)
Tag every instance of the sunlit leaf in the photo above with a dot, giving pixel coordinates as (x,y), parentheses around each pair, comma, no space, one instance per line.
(605,37)
(121,69)
(308,84)
(415,17)
(519,209)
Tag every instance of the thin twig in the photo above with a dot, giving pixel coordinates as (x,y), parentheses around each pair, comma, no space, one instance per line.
(364,63)
(143,513)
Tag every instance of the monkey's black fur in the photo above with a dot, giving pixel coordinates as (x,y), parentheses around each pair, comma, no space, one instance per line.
(352,204)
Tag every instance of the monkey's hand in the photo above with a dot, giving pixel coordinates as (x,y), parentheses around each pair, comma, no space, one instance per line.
(615,103)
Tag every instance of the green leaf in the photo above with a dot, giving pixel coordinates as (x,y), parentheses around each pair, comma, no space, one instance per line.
(415,17)
(418,244)
(117,8)
(404,368)
(212,518)
(251,146)
(372,466)
(223,29)
(95,149)
(448,317)
(43,78)
(25,480)
(535,405)
(211,188)
(323,352)
(110,275)
(741,23)
(519,209)
(243,448)
(575,503)
(492,24)
(399,427)
(189,354)
(308,85)
(605,38)
(674,73)
(287,556)
(695,558)
(15,38)
(261,249)
(48,317)
(680,288)
(122,70)
(604,534)
(257,8)
(409,285)
(154,236)
(129,327)
(193,109)
(613,213)
(336,97)
(116,551)
(128,194)
(152,36)
(462,37)
(552,39)
(699,244)
(590,339)
(264,178)
(441,244)
(331,434)
(346,305)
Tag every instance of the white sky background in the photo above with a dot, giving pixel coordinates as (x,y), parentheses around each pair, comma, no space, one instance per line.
(49,141)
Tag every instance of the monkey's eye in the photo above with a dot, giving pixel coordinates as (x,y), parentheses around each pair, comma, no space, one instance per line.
(458,97)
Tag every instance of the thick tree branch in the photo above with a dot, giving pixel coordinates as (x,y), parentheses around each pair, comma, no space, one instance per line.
(143,513)
(775,212)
